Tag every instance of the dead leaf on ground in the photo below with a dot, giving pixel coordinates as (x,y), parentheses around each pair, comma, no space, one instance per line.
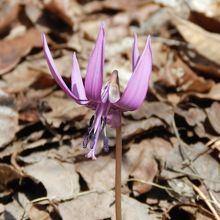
(179,75)
(61,9)
(13,50)
(59,179)
(7,175)
(63,109)
(98,205)
(135,128)
(8,119)
(193,116)
(201,166)
(193,211)
(141,164)
(8,14)
(161,110)
(213,116)
(205,43)
(93,172)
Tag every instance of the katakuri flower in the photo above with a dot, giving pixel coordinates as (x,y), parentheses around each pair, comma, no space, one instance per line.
(105,99)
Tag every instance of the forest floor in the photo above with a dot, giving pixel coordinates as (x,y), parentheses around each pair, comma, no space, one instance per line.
(171,145)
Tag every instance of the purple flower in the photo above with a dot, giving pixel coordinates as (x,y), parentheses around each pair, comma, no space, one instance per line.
(105,99)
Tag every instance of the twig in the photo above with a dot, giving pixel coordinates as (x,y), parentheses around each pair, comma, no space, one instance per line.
(215,200)
(202,195)
(150,183)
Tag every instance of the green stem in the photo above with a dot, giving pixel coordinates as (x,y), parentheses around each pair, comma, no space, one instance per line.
(118,156)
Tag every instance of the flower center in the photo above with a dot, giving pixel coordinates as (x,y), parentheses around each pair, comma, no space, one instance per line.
(109,94)
(97,125)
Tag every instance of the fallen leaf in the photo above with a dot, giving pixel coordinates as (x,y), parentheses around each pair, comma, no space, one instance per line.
(202,166)
(63,109)
(178,75)
(60,9)
(148,109)
(94,171)
(13,50)
(213,116)
(7,176)
(8,14)
(193,116)
(59,179)
(8,119)
(135,128)
(141,164)
(95,205)
(205,43)
(192,211)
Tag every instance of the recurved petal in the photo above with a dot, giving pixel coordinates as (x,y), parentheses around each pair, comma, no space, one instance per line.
(56,75)
(137,86)
(94,73)
(77,86)
(135,53)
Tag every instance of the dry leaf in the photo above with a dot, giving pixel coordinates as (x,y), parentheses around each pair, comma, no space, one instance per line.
(213,116)
(7,175)
(8,14)
(193,116)
(93,172)
(141,164)
(13,50)
(59,179)
(8,119)
(63,109)
(60,8)
(205,43)
(95,205)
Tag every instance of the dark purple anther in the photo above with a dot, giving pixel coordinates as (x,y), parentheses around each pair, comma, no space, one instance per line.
(105,144)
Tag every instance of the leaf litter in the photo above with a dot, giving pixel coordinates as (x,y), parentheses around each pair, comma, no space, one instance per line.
(170,165)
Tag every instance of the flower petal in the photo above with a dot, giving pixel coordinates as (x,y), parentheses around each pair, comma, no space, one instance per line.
(94,74)
(135,53)
(77,86)
(56,75)
(136,90)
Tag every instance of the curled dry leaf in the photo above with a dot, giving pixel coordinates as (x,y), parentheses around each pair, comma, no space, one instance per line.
(13,50)
(13,210)
(8,119)
(213,116)
(213,94)
(192,210)
(93,172)
(193,116)
(97,205)
(205,43)
(141,164)
(62,109)
(178,75)
(201,167)
(59,179)
(8,14)
(159,109)
(135,128)
(7,175)
(61,9)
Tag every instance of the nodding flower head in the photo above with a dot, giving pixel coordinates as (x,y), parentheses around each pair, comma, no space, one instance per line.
(105,99)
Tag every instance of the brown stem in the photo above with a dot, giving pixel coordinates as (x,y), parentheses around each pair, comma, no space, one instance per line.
(118,156)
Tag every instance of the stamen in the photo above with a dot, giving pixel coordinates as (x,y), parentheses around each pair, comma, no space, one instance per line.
(92,141)
(105,144)
(86,141)
(91,121)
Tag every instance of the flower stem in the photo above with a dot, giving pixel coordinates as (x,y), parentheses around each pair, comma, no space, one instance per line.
(118,156)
